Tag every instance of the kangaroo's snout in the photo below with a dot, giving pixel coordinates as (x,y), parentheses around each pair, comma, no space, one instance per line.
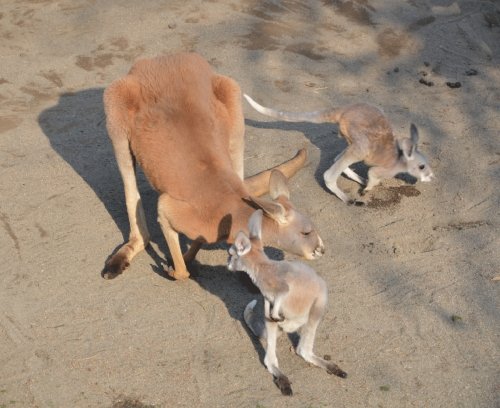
(427,177)
(318,252)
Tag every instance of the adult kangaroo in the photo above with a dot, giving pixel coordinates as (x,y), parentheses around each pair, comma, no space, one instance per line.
(184,125)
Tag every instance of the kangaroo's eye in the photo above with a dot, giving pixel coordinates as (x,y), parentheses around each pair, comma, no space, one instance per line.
(421,167)
(306,233)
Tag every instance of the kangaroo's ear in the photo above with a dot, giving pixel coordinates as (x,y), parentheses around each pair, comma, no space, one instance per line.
(255,225)
(414,134)
(272,209)
(242,244)
(407,147)
(278,185)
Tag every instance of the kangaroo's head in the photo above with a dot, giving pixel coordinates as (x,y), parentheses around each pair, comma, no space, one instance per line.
(415,162)
(247,248)
(292,231)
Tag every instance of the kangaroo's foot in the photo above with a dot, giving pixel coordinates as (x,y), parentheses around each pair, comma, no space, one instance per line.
(115,266)
(332,368)
(284,384)
(177,275)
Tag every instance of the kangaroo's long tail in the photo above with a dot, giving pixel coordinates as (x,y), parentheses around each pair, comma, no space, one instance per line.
(321,116)
(258,184)
(256,326)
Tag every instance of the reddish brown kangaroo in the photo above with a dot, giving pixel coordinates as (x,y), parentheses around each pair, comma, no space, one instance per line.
(184,125)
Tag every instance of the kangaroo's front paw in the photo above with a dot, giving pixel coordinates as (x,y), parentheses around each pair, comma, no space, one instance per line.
(275,319)
(115,266)
(355,203)
(335,369)
(177,275)
(284,384)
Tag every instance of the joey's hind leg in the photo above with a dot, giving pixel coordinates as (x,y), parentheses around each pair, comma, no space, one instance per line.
(344,160)
(306,344)
(271,361)
(179,271)
(352,174)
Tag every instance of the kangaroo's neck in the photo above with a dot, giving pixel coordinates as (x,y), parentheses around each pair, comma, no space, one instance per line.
(400,166)
(241,215)
(262,272)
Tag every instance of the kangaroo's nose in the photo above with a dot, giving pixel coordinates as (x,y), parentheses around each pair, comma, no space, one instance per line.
(319,251)
(427,178)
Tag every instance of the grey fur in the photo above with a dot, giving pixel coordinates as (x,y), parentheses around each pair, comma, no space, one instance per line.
(369,135)
(295,297)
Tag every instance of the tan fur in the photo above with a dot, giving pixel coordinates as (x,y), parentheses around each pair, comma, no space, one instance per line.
(184,125)
(295,297)
(370,138)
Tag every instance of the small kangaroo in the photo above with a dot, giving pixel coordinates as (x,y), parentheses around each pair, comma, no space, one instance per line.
(183,123)
(295,297)
(370,139)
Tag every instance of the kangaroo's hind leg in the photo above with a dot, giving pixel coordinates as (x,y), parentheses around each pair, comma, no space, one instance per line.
(228,92)
(351,173)
(344,160)
(179,271)
(271,361)
(118,127)
(306,342)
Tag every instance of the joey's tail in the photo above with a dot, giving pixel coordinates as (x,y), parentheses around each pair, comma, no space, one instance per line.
(321,116)
(256,326)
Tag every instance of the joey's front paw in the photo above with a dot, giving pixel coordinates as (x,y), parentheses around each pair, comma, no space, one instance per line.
(177,275)
(275,319)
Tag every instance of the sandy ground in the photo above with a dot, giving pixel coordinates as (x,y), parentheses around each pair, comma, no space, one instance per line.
(414,310)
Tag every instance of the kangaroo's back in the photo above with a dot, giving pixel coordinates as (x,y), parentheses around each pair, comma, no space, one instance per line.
(176,123)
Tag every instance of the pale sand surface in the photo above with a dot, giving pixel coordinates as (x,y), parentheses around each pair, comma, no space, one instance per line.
(414,313)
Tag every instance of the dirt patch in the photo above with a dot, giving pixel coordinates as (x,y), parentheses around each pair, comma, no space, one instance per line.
(459,226)
(305,49)
(413,304)
(357,11)
(392,196)
(124,402)
(391,42)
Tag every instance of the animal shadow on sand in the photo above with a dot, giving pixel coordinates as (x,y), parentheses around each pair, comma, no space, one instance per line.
(76,129)
(236,290)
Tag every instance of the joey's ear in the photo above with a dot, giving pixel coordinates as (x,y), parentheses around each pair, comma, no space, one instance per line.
(255,224)
(414,134)
(242,244)
(272,209)
(278,185)
(407,147)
